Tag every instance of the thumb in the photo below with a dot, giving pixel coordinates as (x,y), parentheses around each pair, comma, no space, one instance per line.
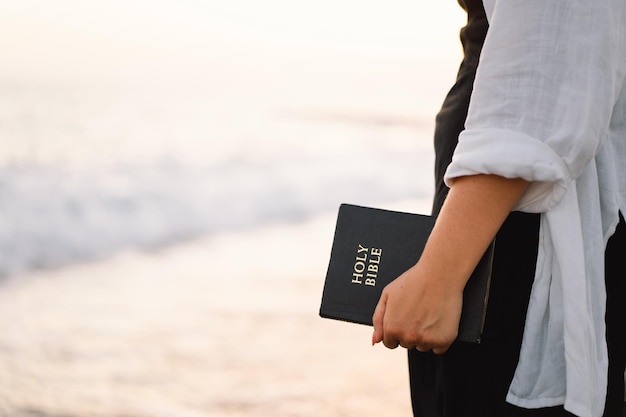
(377,319)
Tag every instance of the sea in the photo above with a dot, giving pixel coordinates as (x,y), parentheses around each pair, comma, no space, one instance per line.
(109,146)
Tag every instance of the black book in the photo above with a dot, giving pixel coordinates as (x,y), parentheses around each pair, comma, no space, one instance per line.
(371,248)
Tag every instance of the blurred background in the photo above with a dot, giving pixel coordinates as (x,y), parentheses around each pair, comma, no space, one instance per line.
(169,176)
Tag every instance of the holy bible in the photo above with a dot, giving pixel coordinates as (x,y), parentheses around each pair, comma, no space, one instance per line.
(372,247)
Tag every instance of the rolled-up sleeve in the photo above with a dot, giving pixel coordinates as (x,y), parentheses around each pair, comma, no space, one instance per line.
(549,75)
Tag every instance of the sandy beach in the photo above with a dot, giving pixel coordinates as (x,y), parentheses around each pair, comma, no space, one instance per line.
(224,326)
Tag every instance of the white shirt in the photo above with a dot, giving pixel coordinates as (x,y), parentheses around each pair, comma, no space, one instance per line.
(549,105)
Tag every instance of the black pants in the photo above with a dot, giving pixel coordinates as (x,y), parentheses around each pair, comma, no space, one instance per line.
(472,380)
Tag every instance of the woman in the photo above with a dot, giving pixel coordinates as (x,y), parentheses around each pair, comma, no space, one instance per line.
(540,165)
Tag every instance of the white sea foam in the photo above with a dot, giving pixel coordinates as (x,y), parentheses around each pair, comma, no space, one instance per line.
(128,172)
(56,212)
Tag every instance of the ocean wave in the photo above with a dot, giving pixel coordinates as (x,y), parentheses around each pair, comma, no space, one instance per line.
(55,214)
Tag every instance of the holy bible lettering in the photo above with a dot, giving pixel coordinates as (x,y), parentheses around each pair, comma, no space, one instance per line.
(365,269)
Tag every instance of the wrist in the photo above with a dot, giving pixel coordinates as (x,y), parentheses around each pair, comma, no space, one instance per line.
(444,277)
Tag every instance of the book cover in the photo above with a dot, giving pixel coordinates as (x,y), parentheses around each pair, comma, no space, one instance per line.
(371,248)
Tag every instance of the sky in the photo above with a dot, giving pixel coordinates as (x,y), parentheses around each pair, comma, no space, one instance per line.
(39,37)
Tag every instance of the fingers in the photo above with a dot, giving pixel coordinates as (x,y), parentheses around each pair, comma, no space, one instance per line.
(396,331)
(422,342)
(392,339)
(440,350)
(419,344)
(390,342)
(377,319)
(426,347)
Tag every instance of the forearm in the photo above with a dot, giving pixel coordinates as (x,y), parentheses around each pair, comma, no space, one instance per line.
(471,216)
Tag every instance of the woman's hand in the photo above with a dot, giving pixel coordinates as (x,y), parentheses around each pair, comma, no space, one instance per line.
(417,311)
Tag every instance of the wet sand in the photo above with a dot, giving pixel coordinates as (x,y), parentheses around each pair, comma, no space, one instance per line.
(216,327)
